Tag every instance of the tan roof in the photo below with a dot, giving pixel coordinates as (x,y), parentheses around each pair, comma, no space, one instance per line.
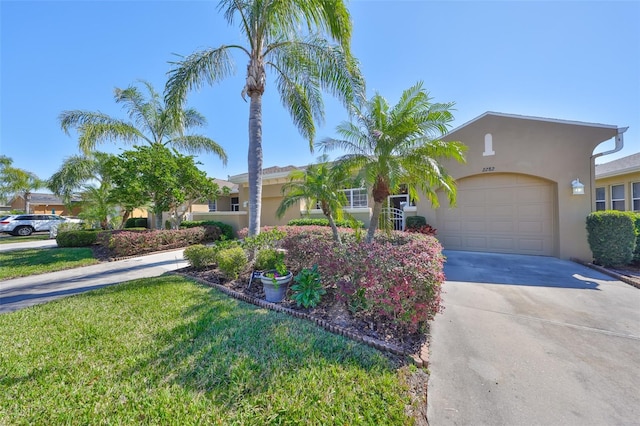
(225,183)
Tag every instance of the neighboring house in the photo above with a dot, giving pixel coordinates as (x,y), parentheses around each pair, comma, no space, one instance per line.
(618,184)
(515,192)
(39,203)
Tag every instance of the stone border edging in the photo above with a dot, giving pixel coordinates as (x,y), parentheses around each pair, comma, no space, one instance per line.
(625,279)
(420,360)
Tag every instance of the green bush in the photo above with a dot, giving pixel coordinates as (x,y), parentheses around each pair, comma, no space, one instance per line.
(225,229)
(325,222)
(415,222)
(77,238)
(612,237)
(232,261)
(136,222)
(266,259)
(200,256)
(308,290)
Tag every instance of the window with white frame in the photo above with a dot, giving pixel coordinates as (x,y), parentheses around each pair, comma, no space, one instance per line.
(213,205)
(635,196)
(356,197)
(617,197)
(601,203)
(235,204)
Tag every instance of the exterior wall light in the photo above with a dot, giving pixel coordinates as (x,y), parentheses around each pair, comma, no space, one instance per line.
(577,187)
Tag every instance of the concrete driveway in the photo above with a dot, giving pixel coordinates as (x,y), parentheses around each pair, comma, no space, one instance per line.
(527,340)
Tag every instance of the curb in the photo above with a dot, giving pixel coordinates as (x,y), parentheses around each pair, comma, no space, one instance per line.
(420,359)
(635,282)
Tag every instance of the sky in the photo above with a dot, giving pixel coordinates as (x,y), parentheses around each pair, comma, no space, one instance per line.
(570,60)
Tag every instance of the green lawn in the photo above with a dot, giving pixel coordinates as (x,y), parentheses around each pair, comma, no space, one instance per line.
(8,239)
(169,351)
(22,263)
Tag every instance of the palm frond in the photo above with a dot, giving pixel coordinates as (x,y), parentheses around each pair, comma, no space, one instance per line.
(197,143)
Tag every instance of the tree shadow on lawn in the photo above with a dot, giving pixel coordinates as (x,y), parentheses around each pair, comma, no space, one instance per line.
(239,354)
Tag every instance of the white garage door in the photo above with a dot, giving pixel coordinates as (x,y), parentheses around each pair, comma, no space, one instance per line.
(502,213)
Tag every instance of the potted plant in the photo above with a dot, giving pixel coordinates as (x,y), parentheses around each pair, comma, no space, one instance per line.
(275,277)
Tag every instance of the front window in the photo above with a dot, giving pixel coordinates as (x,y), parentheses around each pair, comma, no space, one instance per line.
(213,205)
(635,196)
(356,197)
(235,204)
(600,201)
(617,197)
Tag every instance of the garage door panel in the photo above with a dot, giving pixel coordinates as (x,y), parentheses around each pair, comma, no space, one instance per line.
(500,213)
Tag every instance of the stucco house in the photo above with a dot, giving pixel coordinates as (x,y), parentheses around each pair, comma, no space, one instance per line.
(526,188)
(618,184)
(41,203)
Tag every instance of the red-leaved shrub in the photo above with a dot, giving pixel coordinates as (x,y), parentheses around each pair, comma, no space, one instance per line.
(130,243)
(396,278)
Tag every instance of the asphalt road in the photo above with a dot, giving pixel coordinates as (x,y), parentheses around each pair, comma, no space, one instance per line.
(527,340)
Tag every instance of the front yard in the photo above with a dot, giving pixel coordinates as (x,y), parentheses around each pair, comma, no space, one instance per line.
(22,263)
(170,351)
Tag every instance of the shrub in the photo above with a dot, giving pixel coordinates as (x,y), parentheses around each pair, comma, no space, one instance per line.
(612,237)
(424,229)
(414,222)
(200,256)
(266,259)
(396,278)
(129,243)
(136,222)
(225,229)
(636,250)
(79,238)
(232,261)
(308,290)
(269,238)
(325,222)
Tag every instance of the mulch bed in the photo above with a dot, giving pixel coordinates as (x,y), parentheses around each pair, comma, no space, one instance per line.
(330,312)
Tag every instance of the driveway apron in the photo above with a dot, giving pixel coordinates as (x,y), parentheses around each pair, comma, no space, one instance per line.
(529,340)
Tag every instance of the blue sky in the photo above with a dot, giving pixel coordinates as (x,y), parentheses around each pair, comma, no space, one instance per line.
(572,60)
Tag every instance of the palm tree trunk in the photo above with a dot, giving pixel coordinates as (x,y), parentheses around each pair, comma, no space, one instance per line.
(334,229)
(255,163)
(125,216)
(375,215)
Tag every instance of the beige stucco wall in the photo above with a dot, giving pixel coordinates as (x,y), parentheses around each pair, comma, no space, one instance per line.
(237,220)
(623,179)
(555,151)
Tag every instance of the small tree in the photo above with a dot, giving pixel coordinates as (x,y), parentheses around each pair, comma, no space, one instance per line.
(321,184)
(156,175)
(16,182)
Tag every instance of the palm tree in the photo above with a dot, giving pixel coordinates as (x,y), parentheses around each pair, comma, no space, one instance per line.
(302,67)
(87,176)
(319,184)
(399,146)
(18,182)
(150,122)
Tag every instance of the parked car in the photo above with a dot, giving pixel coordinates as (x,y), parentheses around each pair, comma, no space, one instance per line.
(26,224)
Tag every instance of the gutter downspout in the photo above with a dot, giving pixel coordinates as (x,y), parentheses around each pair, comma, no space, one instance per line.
(619,145)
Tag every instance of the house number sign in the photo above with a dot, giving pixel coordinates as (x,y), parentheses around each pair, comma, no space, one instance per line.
(488,169)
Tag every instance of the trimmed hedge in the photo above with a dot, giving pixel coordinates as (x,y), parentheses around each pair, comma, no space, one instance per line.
(415,222)
(612,237)
(136,222)
(225,229)
(324,222)
(77,238)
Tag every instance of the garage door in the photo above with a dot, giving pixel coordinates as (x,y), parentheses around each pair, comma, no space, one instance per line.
(502,213)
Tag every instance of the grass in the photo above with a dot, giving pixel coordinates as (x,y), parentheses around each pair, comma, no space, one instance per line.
(8,239)
(22,263)
(169,351)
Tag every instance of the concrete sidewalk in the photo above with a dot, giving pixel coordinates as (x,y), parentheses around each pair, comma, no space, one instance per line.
(19,293)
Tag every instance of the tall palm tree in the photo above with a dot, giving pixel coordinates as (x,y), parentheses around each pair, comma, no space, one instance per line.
(150,122)
(303,66)
(322,184)
(399,146)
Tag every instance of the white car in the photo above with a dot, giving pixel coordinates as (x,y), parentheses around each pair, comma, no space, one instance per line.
(26,224)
